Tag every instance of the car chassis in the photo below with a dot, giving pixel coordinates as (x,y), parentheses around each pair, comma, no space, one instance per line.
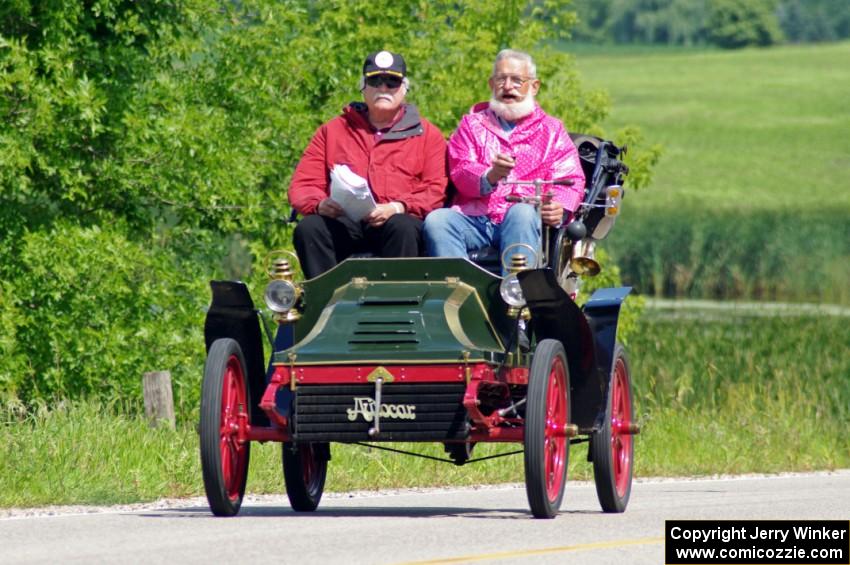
(426,350)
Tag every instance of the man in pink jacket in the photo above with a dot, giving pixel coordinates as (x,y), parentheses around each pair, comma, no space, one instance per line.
(508,138)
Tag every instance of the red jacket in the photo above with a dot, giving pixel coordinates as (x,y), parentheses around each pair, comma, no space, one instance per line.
(407,164)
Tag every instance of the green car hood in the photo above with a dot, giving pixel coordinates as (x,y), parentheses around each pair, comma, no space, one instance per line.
(422,310)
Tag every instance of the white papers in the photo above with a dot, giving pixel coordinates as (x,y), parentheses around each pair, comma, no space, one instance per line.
(351,191)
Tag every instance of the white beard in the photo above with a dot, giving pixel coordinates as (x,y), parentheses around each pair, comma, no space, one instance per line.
(515,111)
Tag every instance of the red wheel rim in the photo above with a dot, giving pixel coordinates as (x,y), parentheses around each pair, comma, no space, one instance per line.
(555,442)
(621,416)
(234,452)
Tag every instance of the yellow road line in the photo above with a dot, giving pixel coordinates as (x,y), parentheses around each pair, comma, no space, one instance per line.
(544,551)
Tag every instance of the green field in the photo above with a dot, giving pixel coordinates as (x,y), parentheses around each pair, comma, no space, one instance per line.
(715,393)
(751,198)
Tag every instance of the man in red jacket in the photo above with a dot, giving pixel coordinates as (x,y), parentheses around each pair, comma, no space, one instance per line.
(385,141)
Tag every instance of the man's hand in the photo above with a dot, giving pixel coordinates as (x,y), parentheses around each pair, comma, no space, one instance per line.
(382,212)
(553,213)
(500,167)
(330,208)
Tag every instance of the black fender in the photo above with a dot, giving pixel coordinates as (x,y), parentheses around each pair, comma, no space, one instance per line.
(232,314)
(554,315)
(602,311)
(588,336)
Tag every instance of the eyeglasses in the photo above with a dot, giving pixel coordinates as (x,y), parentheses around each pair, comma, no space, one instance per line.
(502,80)
(377,80)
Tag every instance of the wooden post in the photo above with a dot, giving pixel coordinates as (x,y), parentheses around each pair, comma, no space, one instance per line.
(159,403)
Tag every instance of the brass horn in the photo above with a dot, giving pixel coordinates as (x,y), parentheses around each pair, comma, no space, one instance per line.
(582,262)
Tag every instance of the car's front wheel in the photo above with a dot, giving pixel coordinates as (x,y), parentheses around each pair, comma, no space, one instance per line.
(547,446)
(225,416)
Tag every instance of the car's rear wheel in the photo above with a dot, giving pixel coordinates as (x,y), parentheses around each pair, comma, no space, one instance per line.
(225,417)
(612,447)
(305,466)
(547,415)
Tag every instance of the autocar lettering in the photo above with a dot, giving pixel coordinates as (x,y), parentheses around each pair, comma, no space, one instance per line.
(365,406)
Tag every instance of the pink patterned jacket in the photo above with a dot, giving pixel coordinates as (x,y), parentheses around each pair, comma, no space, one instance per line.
(540,145)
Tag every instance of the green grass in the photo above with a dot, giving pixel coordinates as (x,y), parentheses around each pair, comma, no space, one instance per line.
(800,255)
(90,452)
(746,135)
(756,128)
(715,393)
(716,360)
(730,393)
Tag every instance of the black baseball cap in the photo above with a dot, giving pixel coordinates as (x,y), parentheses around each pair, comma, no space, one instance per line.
(384,63)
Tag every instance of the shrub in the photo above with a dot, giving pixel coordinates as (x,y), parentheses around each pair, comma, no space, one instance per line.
(90,311)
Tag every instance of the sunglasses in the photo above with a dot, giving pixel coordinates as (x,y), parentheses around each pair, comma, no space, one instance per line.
(377,80)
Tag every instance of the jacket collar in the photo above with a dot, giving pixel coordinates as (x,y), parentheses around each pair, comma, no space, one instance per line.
(409,125)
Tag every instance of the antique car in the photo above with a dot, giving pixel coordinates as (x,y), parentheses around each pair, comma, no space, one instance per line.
(442,350)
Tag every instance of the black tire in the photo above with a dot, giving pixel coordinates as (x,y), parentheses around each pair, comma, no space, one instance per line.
(547,451)
(305,466)
(225,415)
(612,452)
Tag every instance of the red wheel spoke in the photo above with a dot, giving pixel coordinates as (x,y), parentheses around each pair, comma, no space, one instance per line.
(556,417)
(227,393)
(621,443)
(233,455)
(226,463)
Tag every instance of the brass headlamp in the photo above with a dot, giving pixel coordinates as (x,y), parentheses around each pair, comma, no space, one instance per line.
(283,293)
(510,289)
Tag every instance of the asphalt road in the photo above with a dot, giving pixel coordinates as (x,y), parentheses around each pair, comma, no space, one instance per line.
(485,525)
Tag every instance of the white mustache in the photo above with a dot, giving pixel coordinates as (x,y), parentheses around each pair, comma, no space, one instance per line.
(513,111)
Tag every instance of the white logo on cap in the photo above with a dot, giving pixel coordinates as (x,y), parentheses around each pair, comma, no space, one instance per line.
(384,59)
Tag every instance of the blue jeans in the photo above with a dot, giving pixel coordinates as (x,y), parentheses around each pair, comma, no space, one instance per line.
(449,233)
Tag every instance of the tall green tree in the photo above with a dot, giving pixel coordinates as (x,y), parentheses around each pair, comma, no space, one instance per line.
(673,22)
(742,23)
(726,23)
(814,20)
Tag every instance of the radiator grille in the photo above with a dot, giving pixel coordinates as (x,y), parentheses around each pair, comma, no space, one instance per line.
(322,412)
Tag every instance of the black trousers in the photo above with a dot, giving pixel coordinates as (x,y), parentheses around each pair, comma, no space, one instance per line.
(322,242)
